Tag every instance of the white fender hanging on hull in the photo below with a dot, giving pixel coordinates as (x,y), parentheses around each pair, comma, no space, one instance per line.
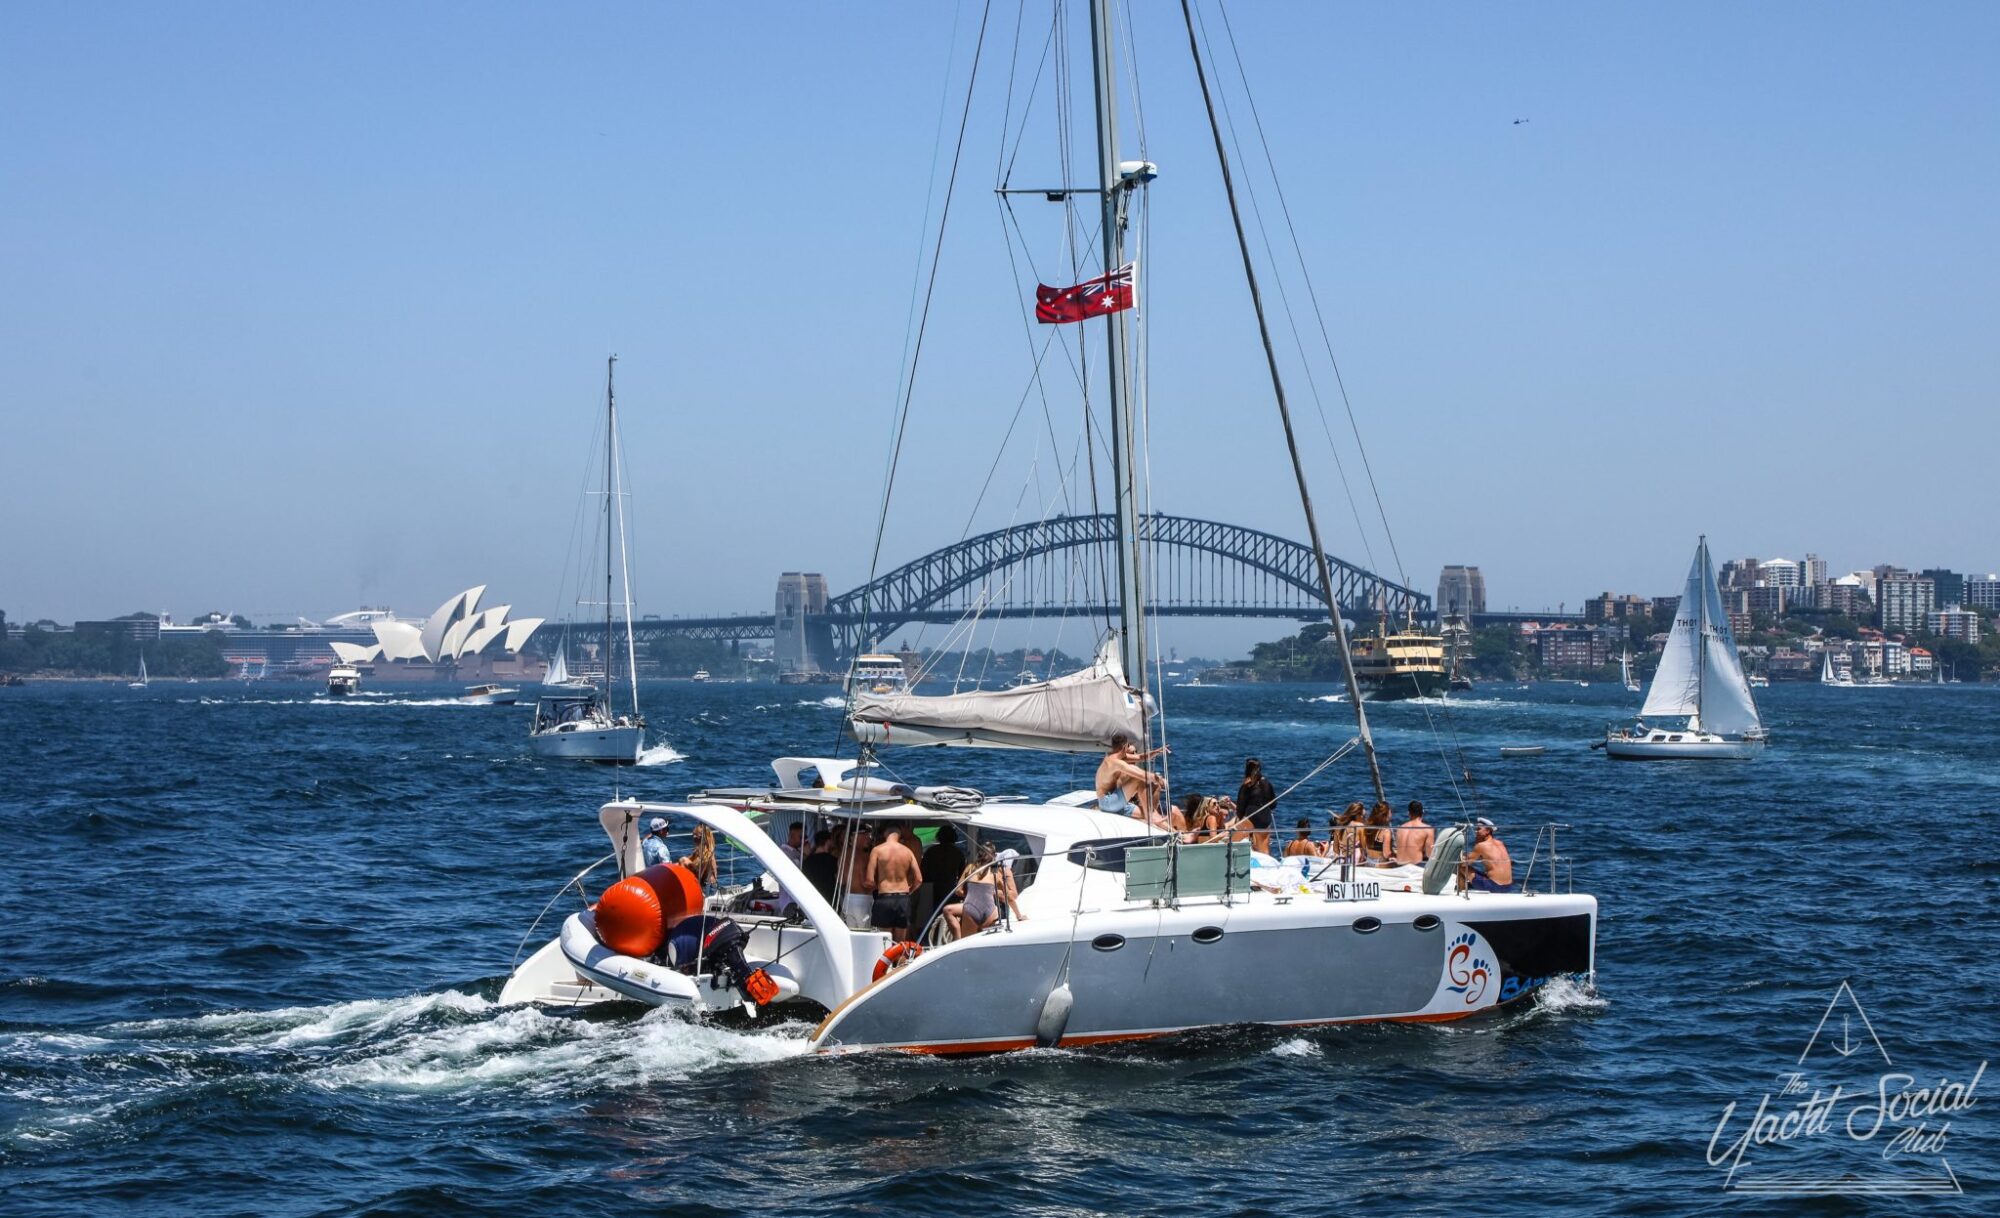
(1054,1017)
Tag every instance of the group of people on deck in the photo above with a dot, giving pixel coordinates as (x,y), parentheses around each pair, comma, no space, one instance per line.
(1125,783)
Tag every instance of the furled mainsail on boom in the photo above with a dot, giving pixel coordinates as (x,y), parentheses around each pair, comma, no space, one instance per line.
(1077,713)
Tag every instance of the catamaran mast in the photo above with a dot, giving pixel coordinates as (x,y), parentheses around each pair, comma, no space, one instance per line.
(1131,594)
(610,465)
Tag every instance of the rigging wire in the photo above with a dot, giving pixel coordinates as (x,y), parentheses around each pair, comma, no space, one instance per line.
(917,347)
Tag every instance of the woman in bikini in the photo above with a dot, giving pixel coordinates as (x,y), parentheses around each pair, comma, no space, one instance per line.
(1375,838)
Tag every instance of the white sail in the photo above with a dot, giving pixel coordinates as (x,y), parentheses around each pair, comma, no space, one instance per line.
(142,668)
(1077,713)
(558,673)
(1727,708)
(1676,687)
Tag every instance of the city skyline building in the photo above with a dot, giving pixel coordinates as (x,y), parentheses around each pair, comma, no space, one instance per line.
(1905,601)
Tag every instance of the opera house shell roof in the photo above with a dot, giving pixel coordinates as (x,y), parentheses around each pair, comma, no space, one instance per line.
(459,629)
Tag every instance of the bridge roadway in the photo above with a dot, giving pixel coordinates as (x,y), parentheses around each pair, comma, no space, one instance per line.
(765,626)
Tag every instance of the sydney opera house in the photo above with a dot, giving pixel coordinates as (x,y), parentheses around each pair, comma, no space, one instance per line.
(460,641)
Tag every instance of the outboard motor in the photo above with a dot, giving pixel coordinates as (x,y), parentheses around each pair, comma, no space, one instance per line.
(718,943)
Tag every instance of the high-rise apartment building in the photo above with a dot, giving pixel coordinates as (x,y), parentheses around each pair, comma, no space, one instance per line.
(1950,586)
(1982,592)
(1461,590)
(1815,571)
(1780,573)
(1905,601)
(1960,624)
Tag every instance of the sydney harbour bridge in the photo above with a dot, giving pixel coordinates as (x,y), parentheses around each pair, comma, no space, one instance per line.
(1060,567)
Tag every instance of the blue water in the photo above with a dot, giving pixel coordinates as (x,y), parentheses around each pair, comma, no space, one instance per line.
(250,938)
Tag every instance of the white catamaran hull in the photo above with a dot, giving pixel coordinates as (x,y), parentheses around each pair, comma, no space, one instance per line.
(617,745)
(1206,966)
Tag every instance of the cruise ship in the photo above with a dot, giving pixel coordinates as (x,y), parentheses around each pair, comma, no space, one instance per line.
(1406,664)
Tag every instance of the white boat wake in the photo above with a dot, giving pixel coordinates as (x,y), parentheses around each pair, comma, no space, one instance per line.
(660,754)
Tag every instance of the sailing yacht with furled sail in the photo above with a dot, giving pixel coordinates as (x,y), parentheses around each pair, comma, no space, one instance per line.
(1700,676)
(1120,930)
(579,721)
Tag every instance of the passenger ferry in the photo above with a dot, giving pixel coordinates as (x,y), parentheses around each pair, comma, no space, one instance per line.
(1406,664)
(878,673)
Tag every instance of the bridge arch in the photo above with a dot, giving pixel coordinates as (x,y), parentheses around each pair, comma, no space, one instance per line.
(1193,566)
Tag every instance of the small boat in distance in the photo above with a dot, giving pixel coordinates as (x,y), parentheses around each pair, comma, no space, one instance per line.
(576,720)
(700,674)
(1522,750)
(490,695)
(877,673)
(1625,672)
(342,680)
(1829,676)
(1700,676)
(142,682)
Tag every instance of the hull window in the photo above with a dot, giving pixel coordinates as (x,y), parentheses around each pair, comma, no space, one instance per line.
(1367,926)
(1108,943)
(1207,934)
(1427,922)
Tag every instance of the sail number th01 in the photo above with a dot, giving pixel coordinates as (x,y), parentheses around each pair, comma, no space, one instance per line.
(1354,890)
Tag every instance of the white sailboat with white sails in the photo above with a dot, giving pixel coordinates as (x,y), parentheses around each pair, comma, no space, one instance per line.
(1700,676)
(579,721)
(1625,672)
(1829,675)
(1121,931)
(142,682)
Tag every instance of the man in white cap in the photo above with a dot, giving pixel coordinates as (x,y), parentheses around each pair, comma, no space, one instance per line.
(654,845)
(1487,866)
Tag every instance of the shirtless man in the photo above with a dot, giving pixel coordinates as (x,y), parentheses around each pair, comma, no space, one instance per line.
(859,904)
(894,871)
(1125,785)
(1414,837)
(1487,866)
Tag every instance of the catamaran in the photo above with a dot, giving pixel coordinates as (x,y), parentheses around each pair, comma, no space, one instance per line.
(579,721)
(1124,930)
(1700,676)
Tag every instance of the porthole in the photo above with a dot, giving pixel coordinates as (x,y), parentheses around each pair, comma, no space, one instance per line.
(1367,926)
(1108,943)
(1427,922)
(1207,934)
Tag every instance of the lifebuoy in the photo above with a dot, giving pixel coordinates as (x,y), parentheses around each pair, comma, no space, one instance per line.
(898,953)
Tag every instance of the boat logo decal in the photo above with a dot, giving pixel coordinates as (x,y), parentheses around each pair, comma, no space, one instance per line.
(1468,972)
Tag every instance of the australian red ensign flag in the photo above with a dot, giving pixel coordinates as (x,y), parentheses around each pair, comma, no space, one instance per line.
(1091,298)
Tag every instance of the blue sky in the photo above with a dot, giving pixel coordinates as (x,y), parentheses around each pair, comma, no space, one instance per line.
(307,308)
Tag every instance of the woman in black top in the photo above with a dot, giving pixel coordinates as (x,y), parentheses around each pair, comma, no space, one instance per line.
(1255,802)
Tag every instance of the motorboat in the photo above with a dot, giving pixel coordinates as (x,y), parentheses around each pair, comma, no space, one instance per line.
(578,720)
(700,675)
(343,680)
(490,695)
(1700,676)
(1515,751)
(1122,935)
